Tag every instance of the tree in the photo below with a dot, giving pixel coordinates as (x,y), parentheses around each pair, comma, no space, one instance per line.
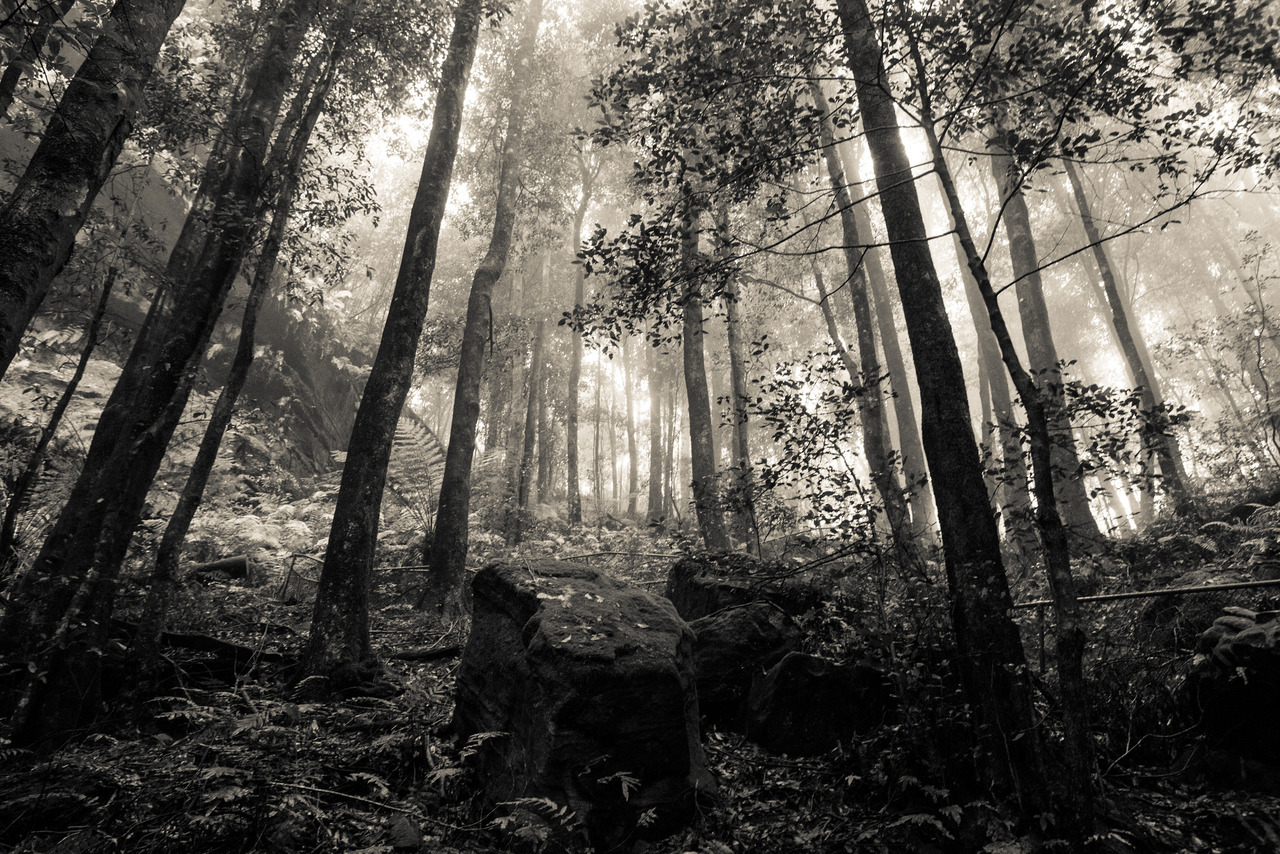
(288,156)
(449,548)
(706,501)
(1042,354)
(338,648)
(587,172)
(870,402)
(992,660)
(40,221)
(1162,444)
(60,610)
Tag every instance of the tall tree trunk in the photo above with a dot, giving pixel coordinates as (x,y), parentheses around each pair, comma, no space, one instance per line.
(596,482)
(1042,353)
(702,452)
(449,552)
(586,177)
(47,17)
(338,649)
(654,508)
(63,628)
(633,449)
(871,402)
(914,469)
(1071,799)
(546,441)
(1163,445)
(614,481)
(740,448)
(991,663)
(1012,498)
(48,207)
(524,477)
(288,158)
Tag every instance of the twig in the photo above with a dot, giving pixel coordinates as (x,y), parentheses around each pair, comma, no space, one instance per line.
(381,805)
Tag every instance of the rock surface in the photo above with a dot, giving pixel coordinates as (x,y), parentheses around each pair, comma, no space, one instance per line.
(592,684)
(806,705)
(733,646)
(701,585)
(1235,688)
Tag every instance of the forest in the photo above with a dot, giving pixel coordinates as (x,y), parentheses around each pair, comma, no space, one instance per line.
(683,427)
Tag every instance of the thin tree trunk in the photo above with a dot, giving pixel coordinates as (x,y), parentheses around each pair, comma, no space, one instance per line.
(1012,498)
(991,661)
(338,648)
(740,449)
(1042,353)
(40,220)
(587,177)
(597,489)
(924,517)
(524,476)
(22,487)
(47,17)
(633,450)
(701,450)
(449,551)
(546,441)
(1163,445)
(614,480)
(654,507)
(871,401)
(1072,799)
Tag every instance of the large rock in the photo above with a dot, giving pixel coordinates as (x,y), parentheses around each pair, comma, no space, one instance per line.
(806,705)
(735,645)
(1235,687)
(592,684)
(700,585)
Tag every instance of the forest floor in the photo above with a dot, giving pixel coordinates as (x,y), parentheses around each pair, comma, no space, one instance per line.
(244,766)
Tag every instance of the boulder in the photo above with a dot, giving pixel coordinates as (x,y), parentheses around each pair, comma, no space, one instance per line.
(700,585)
(1234,688)
(733,646)
(805,705)
(590,684)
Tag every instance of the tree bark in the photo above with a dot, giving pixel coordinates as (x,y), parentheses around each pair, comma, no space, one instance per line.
(992,663)
(48,207)
(1163,445)
(740,446)
(875,447)
(586,176)
(924,518)
(338,649)
(47,17)
(449,552)
(1070,799)
(702,452)
(654,508)
(546,441)
(75,573)
(524,477)
(288,158)
(633,450)
(1042,353)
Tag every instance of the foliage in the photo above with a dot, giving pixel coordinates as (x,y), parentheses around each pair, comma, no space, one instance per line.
(810,405)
